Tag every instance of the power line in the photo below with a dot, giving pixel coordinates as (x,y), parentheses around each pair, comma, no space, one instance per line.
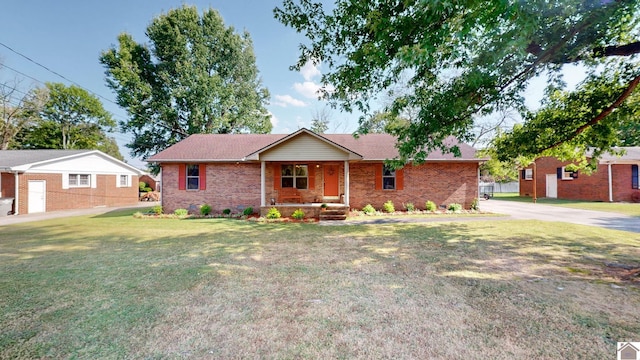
(54,72)
(43,83)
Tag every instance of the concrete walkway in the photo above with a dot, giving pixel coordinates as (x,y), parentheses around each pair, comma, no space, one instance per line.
(17,219)
(530,211)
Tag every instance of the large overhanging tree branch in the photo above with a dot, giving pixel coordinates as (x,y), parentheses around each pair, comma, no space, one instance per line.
(572,123)
(465,59)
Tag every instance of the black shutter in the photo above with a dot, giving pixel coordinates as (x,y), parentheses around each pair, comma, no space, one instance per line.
(522,175)
(559,172)
(634,176)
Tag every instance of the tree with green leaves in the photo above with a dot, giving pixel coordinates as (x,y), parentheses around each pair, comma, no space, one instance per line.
(71,118)
(195,76)
(18,111)
(468,59)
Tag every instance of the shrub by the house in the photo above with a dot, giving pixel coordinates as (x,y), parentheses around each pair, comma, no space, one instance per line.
(205,209)
(388,207)
(368,209)
(298,214)
(273,213)
(430,206)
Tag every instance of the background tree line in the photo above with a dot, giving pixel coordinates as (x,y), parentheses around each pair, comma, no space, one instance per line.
(54,116)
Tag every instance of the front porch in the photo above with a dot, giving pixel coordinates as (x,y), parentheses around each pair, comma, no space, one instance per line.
(304,183)
(311,210)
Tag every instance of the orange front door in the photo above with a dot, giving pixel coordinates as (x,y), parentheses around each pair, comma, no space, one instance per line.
(331,180)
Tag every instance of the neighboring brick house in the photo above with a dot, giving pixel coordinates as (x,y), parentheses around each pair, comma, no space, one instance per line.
(615,180)
(152,181)
(50,180)
(232,171)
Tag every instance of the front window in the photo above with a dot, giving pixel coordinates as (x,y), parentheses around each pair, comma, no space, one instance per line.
(568,175)
(79,180)
(124,180)
(294,176)
(388,178)
(528,174)
(193,177)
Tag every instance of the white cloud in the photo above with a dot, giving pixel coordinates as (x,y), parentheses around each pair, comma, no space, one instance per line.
(274,120)
(288,100)
(309,71)
(308,89)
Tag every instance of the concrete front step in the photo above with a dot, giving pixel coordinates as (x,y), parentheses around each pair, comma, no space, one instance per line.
(332,217)
(333,214)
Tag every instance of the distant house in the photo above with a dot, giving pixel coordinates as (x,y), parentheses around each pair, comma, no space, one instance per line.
(152,181)
(50,180)
(615,180)
(233,171)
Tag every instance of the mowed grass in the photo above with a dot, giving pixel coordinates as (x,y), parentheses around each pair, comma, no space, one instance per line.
(632,209)
(112,286)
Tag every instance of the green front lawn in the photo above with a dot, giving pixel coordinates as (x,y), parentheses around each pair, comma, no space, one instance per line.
(112,286)
(632,209)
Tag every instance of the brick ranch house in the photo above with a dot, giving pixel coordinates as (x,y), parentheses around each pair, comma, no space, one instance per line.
(235,171)
(51,180)
(615,180)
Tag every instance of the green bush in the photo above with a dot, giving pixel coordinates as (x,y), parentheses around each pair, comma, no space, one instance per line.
(248,211)
(205,209)
(298,214)
(142,185)
(410,207)
(273,214)
(475,204)
(430,206)
(368,209)
(454,207)
(226,211)
(157,209)
(148,189)
(388,207)
(181,212)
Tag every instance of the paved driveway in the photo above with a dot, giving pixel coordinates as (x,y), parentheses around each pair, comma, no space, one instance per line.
(526,211)
(17,219)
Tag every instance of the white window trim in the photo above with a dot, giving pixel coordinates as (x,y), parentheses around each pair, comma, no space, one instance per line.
(187,177)
(528,174)
(295,177)
(119,180)
(90,179)
(395,180)
(566,175)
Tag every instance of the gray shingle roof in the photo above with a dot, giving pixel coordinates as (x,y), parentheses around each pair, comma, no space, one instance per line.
(11,158)
(631,153)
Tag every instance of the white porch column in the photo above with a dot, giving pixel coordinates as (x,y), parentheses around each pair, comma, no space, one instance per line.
(263,185)
(346,182)
(16,198)
(610,184)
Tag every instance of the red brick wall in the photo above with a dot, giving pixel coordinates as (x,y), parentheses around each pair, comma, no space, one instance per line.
(233,185)
(229,186)
(442,183)
(149,181)
(594,187)
(7,186)
(104,194)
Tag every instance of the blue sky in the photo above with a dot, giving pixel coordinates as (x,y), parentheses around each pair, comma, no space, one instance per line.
(68,36)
